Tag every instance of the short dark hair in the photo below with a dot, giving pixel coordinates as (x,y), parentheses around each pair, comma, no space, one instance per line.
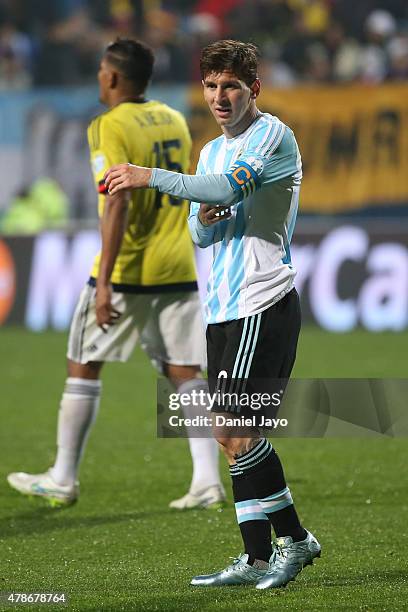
(233,56)
(133,59)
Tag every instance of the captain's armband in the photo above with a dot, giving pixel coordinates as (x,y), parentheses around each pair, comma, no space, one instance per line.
(244,176)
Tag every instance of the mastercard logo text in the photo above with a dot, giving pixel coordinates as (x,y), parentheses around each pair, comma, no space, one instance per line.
(7,281)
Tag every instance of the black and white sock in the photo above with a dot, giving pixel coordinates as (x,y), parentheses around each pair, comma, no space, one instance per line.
(263,469)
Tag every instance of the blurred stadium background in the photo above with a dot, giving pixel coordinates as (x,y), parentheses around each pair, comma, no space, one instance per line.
(337,72)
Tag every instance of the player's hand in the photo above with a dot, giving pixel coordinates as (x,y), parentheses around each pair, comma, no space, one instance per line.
(106,314)
(210,214)
(126,176)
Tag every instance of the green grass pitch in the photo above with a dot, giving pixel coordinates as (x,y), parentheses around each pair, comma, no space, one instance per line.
(121,548)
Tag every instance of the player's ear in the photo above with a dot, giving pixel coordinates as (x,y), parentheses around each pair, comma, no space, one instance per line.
(255,89)
(114,79)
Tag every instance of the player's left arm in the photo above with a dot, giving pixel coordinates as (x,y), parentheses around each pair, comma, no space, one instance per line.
(245,176)
(210,188)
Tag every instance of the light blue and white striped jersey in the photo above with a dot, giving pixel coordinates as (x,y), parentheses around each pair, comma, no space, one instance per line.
(252,266)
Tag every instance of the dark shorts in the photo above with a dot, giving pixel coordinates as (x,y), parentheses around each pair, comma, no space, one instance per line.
(255,355)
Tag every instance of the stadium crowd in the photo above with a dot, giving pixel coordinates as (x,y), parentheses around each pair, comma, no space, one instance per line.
(49,42)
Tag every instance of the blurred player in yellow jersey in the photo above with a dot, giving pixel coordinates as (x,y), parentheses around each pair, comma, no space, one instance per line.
(142,286)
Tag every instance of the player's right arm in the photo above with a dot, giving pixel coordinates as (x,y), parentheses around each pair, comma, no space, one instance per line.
(203,217)
(112,229)
(106,145)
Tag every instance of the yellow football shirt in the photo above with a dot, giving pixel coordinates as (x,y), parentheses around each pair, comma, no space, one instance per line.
(157,252)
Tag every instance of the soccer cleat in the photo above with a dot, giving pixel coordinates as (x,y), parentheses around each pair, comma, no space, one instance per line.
(239,572)
(212,498)
(43,485)
(288,559)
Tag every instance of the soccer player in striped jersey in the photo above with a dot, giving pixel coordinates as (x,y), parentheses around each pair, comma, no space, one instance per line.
(142,286)
(249,180)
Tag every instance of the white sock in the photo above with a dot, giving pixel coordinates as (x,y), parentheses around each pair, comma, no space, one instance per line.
(78,410)
(204,450)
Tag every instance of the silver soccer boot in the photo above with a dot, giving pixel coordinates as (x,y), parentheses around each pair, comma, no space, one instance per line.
(239,572)
(288,559)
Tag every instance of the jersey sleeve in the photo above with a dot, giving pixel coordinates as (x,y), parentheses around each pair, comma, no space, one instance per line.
(268,157)
(106,147)
(194,206)
(201,235)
